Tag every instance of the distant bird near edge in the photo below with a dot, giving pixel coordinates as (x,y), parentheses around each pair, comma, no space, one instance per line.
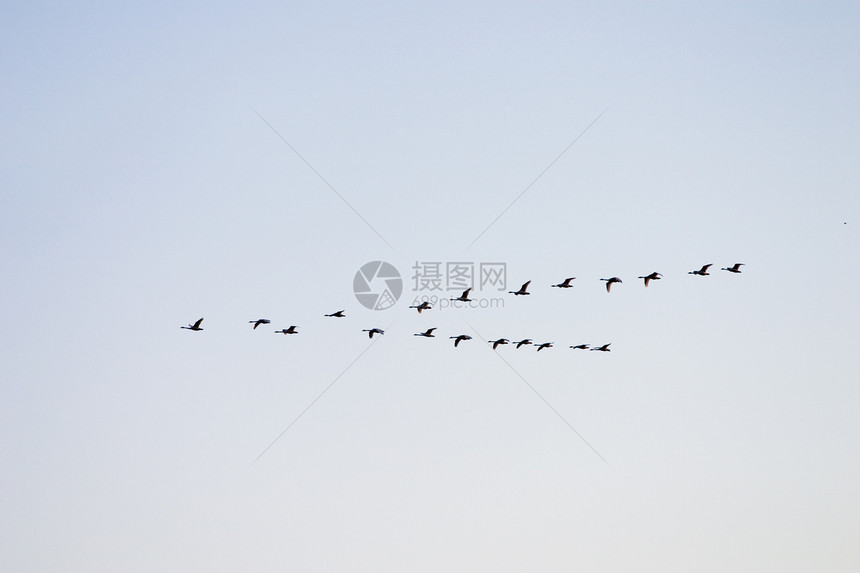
(195,326)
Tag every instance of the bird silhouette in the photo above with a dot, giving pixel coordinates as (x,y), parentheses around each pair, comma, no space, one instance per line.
(524,341)
(703,272)
(655,276)
(565,284)
(736,268)
(459,338)
(290,330)
(259,321)
(370,332)
(522,290)
(544,345)
(580,347)
(465,296)
(609,282)
(195,326)
(496,343)
(423,306)
(338,314)
(604,348)
(428,333)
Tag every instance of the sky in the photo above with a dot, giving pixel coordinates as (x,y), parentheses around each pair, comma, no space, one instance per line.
(164,161)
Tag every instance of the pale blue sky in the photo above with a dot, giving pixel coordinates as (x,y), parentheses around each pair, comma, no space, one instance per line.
(141,191)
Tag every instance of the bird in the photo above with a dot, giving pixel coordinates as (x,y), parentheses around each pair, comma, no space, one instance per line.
(524,341)
(338,314)
(610,281)
(428,333)
(544,345)
(423,306)
(496,343)
(465,296)
(703,272)
(522,289)
(195,326)
(565,284)
(259,321)
(370,332)
(290,330)
(655,276)
(459,338)
(604,348)
(736,268)
(580,347)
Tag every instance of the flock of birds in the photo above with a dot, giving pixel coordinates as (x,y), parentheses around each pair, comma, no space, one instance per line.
(464,297)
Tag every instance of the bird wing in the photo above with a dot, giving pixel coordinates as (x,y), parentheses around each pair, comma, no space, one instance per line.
(197,324)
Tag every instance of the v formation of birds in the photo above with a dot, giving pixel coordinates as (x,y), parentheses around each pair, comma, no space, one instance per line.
(464,297)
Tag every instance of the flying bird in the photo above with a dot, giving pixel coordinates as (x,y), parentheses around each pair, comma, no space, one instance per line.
(580,347)
(524,341)
(522,289)
(428,333)
(565,284)
(604,348)
(655,276)
(290,330)
(496,343)
(465,296)
(259,321)
(338,314)
(544,345)
(370,332)
(423,306)
(195,326)
(736,268)
(460,338)
(703,272)
(610,281)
